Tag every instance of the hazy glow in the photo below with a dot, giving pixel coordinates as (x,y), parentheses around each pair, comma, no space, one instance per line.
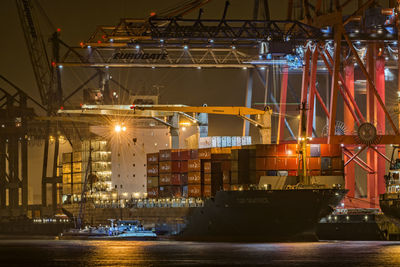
(117,128)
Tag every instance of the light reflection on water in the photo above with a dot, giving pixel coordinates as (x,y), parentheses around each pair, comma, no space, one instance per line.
(171,253)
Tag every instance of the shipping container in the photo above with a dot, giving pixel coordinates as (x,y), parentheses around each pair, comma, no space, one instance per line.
(152,169)
(281,164)
(226,187)
(170,191)
(194,178)
(267,150)
(337,163)
(328,150)
(272,173)
(194,190)
(165,179)
(78,177)
(292,163)
(66,178)
(326,163)
(204,153)
(315,172)
(67,157)
(165,155)
(207,191)
(194,165)
(179,178)
(76,156)
(264,164)
(77,188)
(194,154)
(314,163)
(283,173)
(185,191)
(152,182)
(182,154)
(292,173)
(315,150)
(67,168)
(152,158)
(152,192)
(207,178)
(172,166)
(77,166)
(67,189)
(207,166)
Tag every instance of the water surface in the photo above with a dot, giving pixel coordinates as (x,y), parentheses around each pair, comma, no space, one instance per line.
(173,253)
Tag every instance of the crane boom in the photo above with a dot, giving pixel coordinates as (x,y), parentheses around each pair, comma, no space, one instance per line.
(37,49)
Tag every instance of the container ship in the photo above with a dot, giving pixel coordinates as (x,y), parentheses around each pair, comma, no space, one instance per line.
(251,193)
(390,201)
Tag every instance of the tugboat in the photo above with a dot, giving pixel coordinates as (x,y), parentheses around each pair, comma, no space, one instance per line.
(126,230)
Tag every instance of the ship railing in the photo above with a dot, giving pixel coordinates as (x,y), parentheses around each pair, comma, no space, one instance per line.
(154,203)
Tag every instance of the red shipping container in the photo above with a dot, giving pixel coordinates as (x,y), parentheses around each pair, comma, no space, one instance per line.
(152,192)
(226,178)
(194,154)
(292,163)
(178,178)
(194,165)
(292,173)
(281,150)
(183,166)
(165,179)
(207,191)
(184,154)
(314,163)
(152,170)
(171,166)
(207,167)
(207,178)
(281,164)
(194,177)
(226,187)
(337,163)
(331,150)
(165,155)
(152,158)
(266,150)
(204,153)
(194,190)
(291,150)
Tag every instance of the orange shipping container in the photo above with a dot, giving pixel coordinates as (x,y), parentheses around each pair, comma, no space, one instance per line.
(207,178)
(204,153)
(194,165)
(266,150)
(165,179)
(172,166)
(292,163)
(165,155)
(314,163)
(263,164)
(331,150)
(194,190)
(207,166)
(207,191)
(194,178)
(281,164)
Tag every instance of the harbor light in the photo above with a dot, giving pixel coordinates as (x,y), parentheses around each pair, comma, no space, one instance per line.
(117,128)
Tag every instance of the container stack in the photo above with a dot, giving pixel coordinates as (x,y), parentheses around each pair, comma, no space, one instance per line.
(152,175)
(208,170)
(173,169)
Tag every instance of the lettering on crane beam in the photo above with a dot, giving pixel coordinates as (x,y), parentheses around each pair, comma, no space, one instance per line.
(141,56)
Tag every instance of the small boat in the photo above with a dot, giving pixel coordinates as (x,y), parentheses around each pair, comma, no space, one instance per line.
(119,230)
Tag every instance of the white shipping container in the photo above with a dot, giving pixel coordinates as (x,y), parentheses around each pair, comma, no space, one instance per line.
(234,143)
(214,141)
(219,141)
(228,141)
(223,141)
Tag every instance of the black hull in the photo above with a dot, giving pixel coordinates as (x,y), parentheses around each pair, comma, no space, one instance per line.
(261,215)
(390,206)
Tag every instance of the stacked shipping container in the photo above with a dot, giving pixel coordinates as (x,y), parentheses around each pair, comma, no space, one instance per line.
(209,170)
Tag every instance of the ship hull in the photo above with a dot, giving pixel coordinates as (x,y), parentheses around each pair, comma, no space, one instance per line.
(390,206)
(261,215)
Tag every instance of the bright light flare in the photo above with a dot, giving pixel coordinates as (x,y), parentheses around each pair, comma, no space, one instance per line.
(117,128)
